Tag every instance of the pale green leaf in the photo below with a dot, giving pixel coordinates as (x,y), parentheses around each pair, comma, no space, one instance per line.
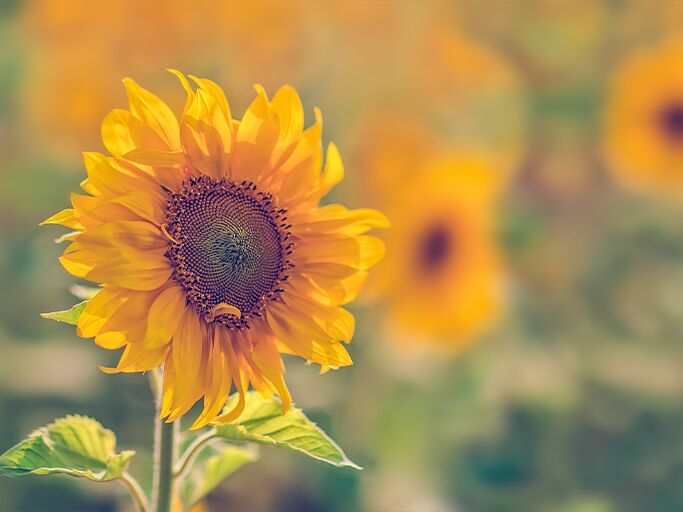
(214,464)
(263,422)
(68,316)
(74,445)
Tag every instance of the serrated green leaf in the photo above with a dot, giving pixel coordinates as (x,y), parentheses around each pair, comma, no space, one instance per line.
(213,465)
(74,445)
(263,422)
(68,316)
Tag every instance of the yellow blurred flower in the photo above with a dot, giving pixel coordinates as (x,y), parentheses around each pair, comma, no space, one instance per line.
(80,50)
(474,94)
(213,255)
(442,276)
(643,126)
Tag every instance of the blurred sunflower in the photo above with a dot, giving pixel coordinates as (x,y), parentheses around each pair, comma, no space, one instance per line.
(442,276)
(76,61)
(643,128)
(212,252)
(474,94)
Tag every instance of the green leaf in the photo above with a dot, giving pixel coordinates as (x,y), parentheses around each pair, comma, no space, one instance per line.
(68,316)
(263,422)
(213,465)
(74,445)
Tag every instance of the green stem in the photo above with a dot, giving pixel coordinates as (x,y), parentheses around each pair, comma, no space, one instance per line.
(156,381)
(141,503)
(163,466)
(165,448)
(188,457)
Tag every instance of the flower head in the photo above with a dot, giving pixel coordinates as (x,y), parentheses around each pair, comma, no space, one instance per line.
(212,252)
(644,119)
(442,278)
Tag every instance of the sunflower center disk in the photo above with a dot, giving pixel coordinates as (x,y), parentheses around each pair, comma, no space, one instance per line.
(434,249)
(229,247)
(671,119)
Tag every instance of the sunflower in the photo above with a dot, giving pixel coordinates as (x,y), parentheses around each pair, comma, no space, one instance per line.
(212,253)
(76,62)
(442,277)
(644,119)
(473,93)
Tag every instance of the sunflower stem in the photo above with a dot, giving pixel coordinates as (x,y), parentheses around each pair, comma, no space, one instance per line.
(163,466)
(165,452)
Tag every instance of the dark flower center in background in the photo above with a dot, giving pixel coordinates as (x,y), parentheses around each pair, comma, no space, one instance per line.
(435,248)
(671,121)
(230,246)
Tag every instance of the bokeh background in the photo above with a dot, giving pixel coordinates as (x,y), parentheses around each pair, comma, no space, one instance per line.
(520,349)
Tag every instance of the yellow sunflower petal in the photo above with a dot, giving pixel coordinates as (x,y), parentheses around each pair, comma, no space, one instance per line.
(130,274)
(101,306)
(188,353)
(217,378)
(93,184)
(239,378)
(123,235)
(66,218)
(110,340)
(212,89)
(266,358)
(155,157)
(136,358)
(338,284)
(122,133)
(361,252)
(118,265)
(302,169)
(333,172)
(186,86)
(256,135)
(154,112)
(339,220)
(306,339)
(169,386)
(290,113)
(78,262)
(206,135)
(164,317)
(336,322)
(107,176)
(94,211)
(130,319)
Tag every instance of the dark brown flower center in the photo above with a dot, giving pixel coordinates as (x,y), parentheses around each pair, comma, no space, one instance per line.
(229,247)
(435,248)
(671,121)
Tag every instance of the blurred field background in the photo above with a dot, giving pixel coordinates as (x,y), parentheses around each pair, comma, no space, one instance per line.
(524,355)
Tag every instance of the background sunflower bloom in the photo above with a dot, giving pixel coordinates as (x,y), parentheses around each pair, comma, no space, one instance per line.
(442,279)
(644,119)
